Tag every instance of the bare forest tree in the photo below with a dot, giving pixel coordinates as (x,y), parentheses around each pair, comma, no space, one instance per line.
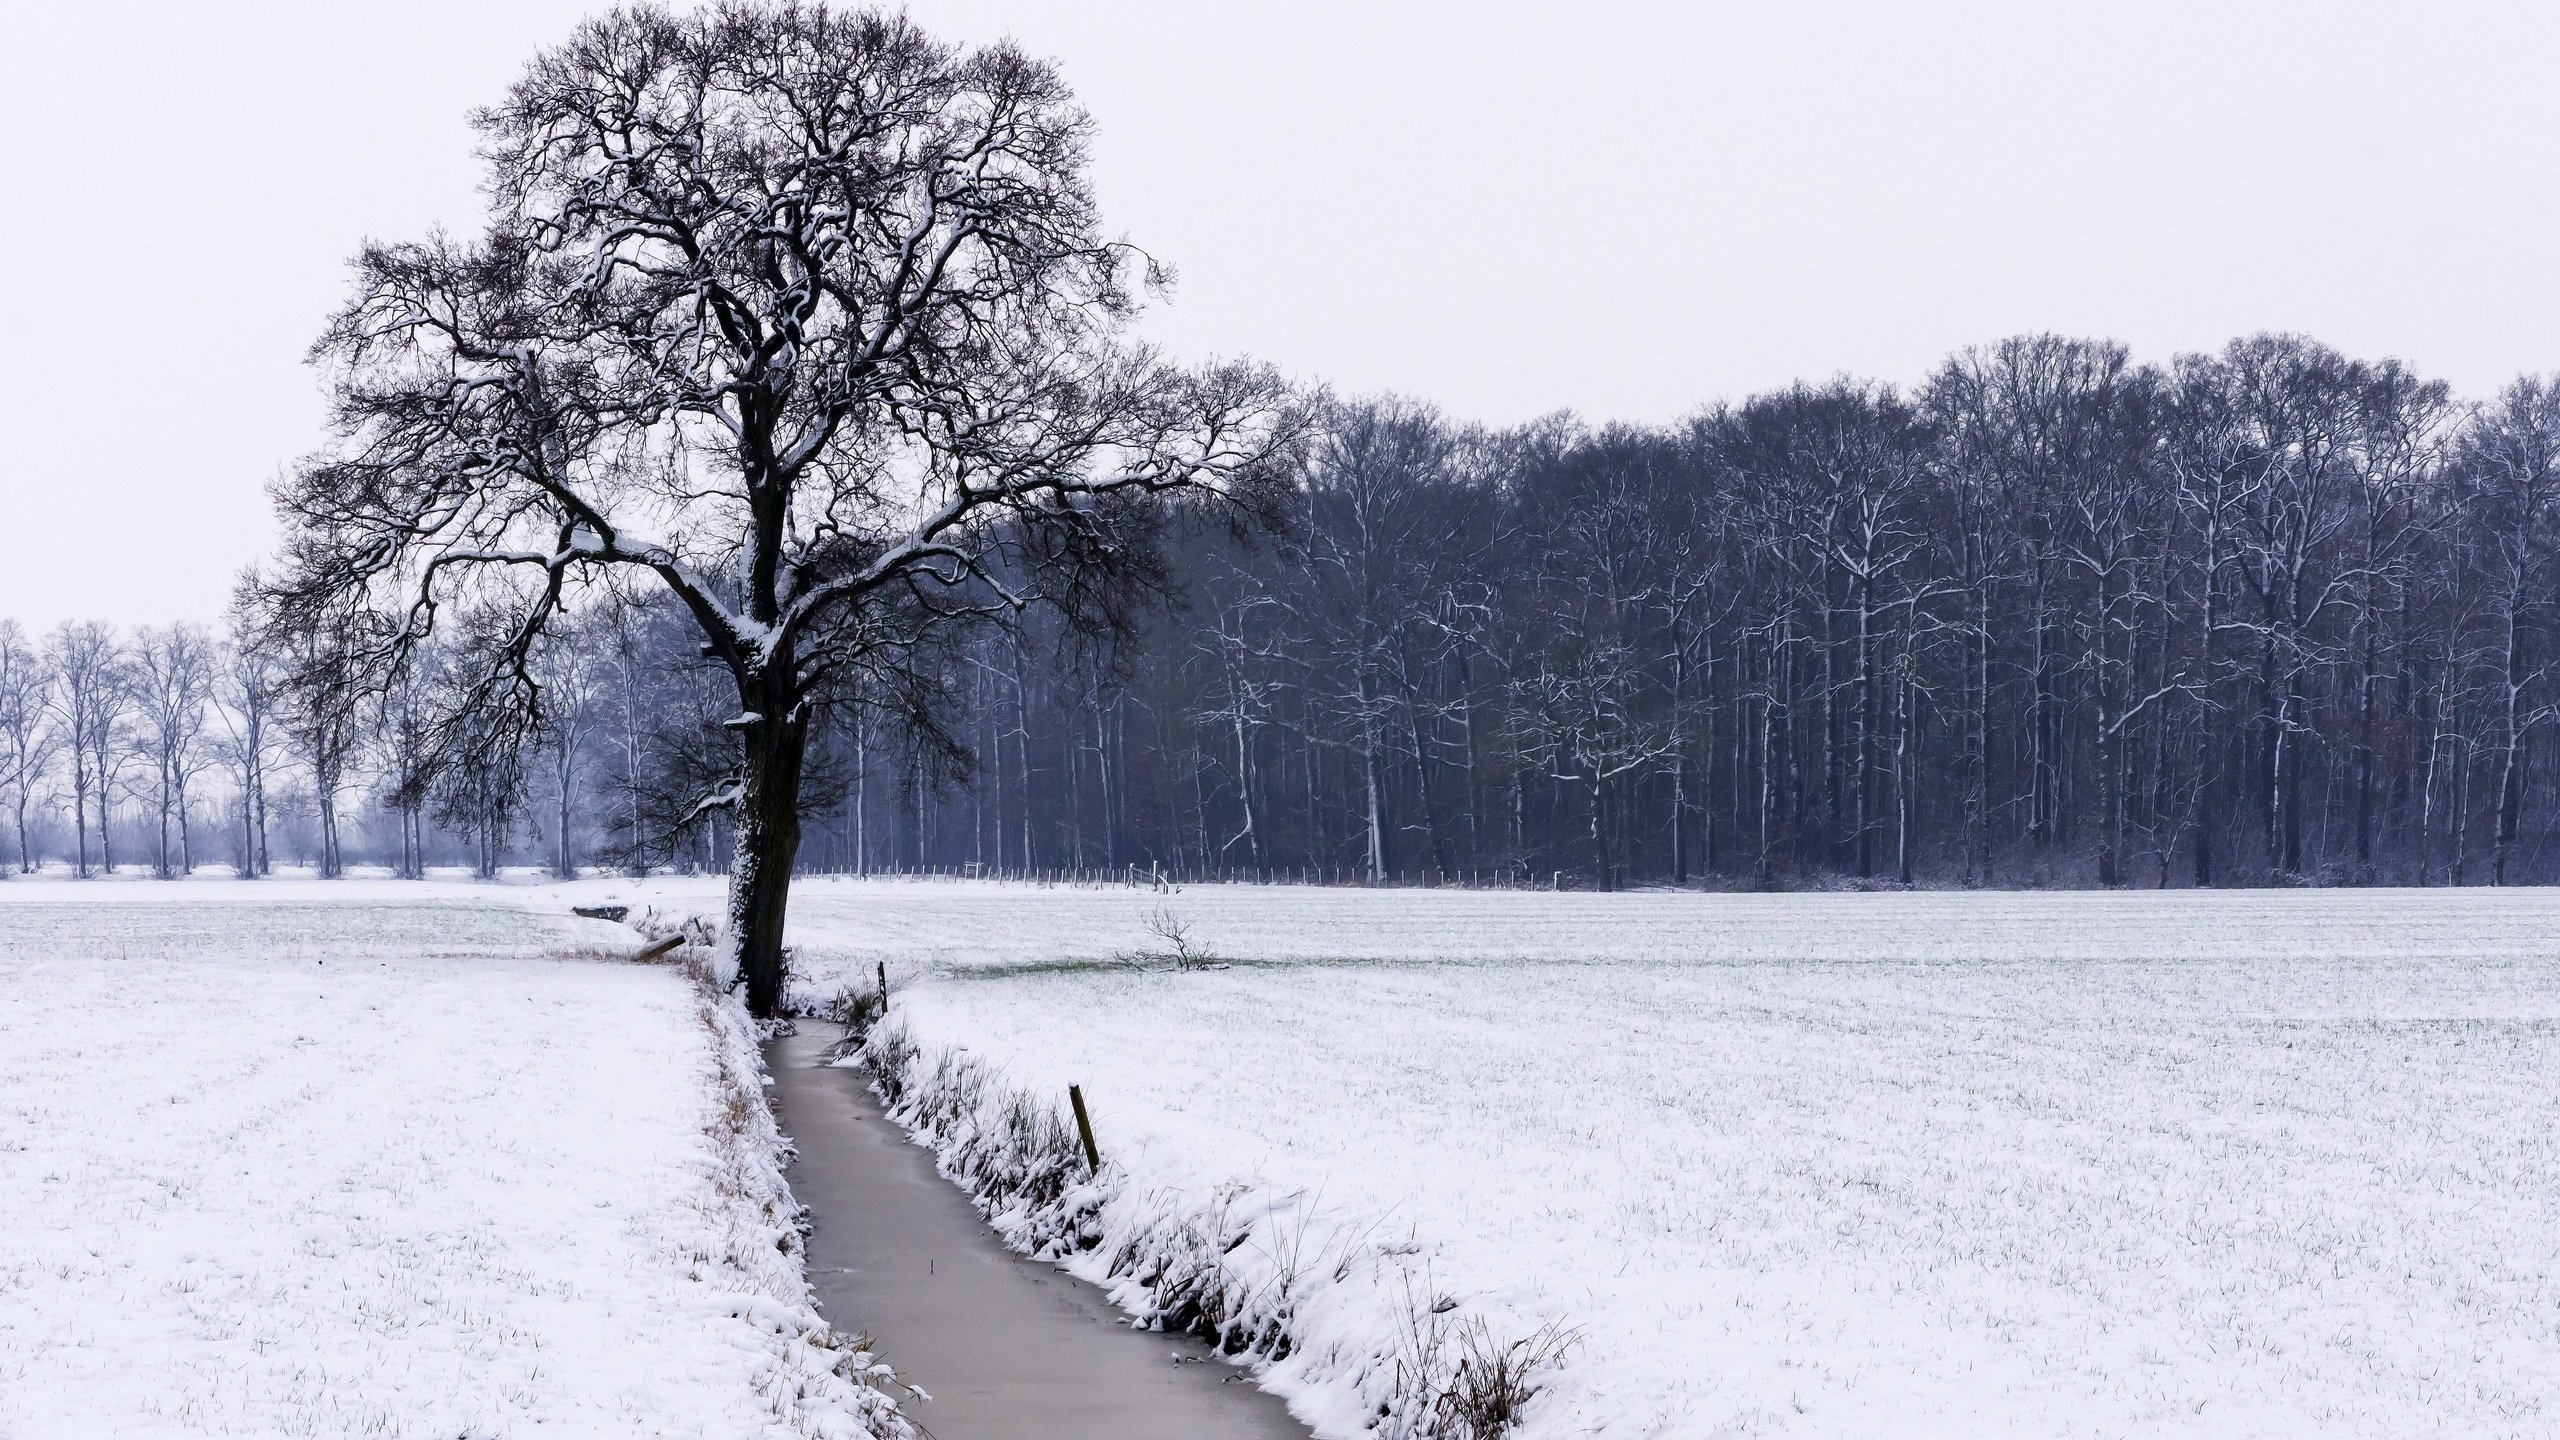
(173,671)
(2509,479)
(573,675)
(322,692)
(27,740)
(404,765)
(89,700)
(248,689)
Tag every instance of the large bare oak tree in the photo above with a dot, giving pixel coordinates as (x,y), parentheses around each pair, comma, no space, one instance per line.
(804,314)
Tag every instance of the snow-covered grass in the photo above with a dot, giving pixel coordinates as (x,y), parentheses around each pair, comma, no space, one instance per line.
(371,1159)
(1963,1165)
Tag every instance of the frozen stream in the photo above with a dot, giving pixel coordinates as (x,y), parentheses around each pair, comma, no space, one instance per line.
(1009,1348)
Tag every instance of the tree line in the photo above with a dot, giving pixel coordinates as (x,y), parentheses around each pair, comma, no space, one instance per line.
(2054,617)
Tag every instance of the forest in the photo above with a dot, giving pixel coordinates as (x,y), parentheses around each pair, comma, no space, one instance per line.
(2054,617)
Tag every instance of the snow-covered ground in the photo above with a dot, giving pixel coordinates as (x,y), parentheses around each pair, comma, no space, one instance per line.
(374,1159)
(367,1157)
(1961,1165)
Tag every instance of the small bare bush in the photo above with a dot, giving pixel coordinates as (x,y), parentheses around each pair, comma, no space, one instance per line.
(1183,948)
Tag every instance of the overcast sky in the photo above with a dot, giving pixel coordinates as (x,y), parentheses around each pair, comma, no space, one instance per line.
(1623,208)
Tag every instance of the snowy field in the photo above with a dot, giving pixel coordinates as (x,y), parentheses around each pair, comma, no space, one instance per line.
(370,1159)
(1959,1165)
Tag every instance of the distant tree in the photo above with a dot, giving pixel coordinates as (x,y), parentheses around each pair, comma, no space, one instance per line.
(173,670)
(248,689)
(2297,404)
(322,691)
(1376,497)
(625,623)
(479,782)
(2509,473)
(573,672)
(88,706)
(404,765)
(2406,426)
(27,740)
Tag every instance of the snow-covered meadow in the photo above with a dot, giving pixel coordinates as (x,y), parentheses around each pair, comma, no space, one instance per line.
(1977,1165)
(372,1159)
(381,1158)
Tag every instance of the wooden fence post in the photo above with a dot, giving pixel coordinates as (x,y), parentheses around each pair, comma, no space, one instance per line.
(1084,1128)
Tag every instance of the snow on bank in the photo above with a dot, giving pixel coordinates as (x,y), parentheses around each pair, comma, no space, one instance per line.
(2263,1164)
(386,1160)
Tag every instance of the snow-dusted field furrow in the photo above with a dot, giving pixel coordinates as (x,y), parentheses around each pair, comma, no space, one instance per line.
(379,1161)
(1986,1165)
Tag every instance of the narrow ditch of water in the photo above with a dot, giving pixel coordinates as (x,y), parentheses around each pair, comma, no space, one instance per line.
(1009,1348)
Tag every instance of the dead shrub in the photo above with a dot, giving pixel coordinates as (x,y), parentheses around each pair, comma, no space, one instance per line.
(1183,948)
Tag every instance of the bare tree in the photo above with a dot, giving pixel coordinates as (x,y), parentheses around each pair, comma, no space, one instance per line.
(478,770)
(2405,426)
(802,313)
(573,674)
(247,690)
(27,740)
(172,676)
(321,711)
(1373,486)
(402,741)
(2510,470)
(88,706)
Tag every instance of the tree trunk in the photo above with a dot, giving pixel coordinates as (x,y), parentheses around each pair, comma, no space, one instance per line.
(106,841)
(80,823)
(2510,758)
(1372,788)
(2461,858)
(767,838)
(565,773)
(1244,786)
(1906,784)
(2365,679)
(1600,827)
(248,828)
(2110,727)
(862,795)
(261,862)
(1431,822)
(1977,761)
(328,833)
(1862,763)
(2040,778)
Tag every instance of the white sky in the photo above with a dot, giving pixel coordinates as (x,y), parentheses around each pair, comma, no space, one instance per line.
(1624,208)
